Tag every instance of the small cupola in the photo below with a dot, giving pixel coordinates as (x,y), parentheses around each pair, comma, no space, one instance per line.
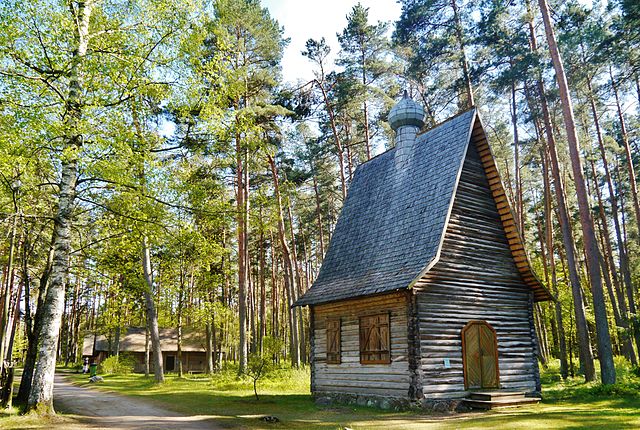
(406,112)
(406,119)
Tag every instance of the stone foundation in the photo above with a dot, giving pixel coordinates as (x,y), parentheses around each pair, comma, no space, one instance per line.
(443,405)
(382,402)
(391,403)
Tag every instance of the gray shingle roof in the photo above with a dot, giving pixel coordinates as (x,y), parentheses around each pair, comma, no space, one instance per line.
(393,220)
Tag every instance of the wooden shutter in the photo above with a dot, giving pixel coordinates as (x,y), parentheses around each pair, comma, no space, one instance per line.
(333,341)
(375,342)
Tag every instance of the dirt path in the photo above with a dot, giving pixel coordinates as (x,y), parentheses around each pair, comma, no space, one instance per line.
(114,411)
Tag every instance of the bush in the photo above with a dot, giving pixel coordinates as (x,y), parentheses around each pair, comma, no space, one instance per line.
(76,367)
(114,365)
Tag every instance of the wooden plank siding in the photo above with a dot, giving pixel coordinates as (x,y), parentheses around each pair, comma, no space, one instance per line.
(476,278)
(350,376)
(514,239)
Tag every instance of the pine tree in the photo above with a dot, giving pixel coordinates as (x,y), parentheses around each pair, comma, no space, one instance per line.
(590,242)
(364,56)
(428,28)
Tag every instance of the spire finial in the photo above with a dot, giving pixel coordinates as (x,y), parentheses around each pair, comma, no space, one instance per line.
(406,94)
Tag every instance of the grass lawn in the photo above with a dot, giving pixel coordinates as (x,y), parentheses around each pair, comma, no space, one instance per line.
(567,405)
(285,394)
(11,420)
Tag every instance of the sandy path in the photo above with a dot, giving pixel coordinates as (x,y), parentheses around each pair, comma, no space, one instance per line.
(115,411)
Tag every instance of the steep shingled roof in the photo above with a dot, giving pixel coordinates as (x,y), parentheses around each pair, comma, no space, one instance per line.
(393,220)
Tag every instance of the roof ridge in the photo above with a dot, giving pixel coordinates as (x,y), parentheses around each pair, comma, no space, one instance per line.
(451,118)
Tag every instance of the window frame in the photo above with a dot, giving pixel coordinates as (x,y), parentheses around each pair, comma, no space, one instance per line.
(383,355)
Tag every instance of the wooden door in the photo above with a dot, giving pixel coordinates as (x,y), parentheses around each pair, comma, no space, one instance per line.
(480,355)
(170,365)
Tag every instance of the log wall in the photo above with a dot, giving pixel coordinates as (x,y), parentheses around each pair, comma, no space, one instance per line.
(351,377)
(476,278)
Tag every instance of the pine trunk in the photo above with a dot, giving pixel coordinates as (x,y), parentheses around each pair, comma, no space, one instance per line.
(146,350)
(318,217)
(263,289)
(616,298)
(241,208)
(582,330)
(179,323)
(336,138)
(209,348)
(627,150)
(289,272)
(464,65)
(516,162)
(590,242)
(621,243)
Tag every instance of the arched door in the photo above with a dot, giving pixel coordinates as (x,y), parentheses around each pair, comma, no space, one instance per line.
(480,355)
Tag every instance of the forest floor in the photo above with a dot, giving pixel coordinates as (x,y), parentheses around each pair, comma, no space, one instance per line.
(229,403)
(80,408)
(117,411)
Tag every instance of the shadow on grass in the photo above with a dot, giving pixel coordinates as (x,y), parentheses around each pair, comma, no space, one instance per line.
(567,405)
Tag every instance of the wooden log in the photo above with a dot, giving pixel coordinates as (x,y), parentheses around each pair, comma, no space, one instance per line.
(350,376)
(479,276)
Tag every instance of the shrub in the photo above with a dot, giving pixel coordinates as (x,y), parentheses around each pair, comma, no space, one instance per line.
(260,364)
(115,365)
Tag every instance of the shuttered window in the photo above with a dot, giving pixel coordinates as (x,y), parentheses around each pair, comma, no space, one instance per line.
(375,339)
(333,341)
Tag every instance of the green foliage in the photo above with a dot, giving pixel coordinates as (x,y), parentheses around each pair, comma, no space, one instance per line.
(117,365)
(364,88)
(428,34)
(261,363)
(77,366)
(627,384)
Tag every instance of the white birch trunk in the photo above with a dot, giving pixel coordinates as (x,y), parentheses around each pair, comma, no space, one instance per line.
(41,393)
(152,316)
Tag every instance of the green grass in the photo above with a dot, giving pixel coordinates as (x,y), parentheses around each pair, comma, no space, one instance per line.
(285,394)
(568,404)
(11,420)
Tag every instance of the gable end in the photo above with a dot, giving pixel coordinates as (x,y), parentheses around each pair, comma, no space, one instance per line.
(516,244)
(485,176)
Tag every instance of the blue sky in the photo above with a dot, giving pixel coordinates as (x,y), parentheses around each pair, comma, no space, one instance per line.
(304,19)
